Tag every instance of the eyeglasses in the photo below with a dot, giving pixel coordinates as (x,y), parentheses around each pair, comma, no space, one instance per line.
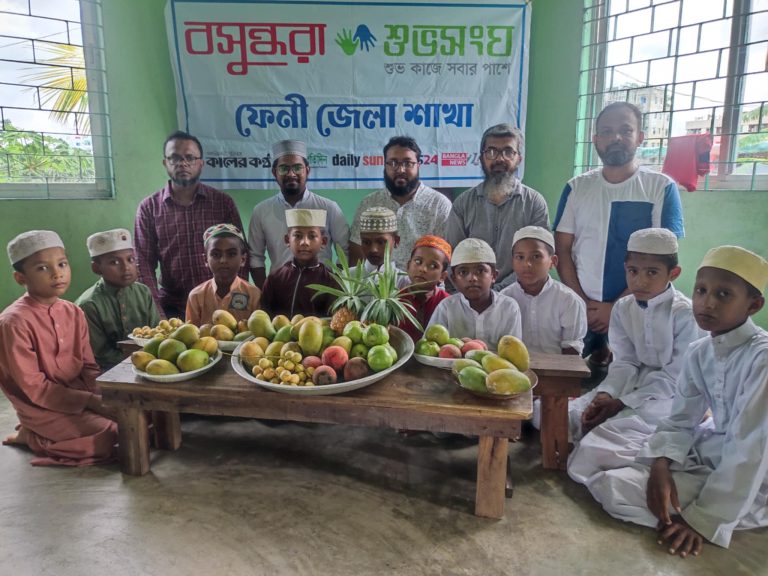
(176,159)
(508,153)
(395,164)
(283,169)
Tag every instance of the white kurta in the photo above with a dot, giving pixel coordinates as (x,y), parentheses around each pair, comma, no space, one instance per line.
(402,277)
(720,467)
(648,346)
(502,317)
(554,319)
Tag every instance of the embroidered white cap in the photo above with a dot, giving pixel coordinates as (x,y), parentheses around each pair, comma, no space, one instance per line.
(305,217)
(378,219)
(653,241)
(473,251)
(27,243)
(109,241)
(535,232)
(286,147)
(747,265)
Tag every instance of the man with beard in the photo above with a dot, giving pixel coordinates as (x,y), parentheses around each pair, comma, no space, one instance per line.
(500,205)
(268,229)
(170,223)
(597,213)
(420,210)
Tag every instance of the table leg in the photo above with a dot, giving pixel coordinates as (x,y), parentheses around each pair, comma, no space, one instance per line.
(554,432)
(167,430)
(133,438)
(491,476)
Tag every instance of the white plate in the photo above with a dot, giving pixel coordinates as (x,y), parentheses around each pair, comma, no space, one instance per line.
(139,341)
(400,341)
(444,363)
(180,377)
(228,345)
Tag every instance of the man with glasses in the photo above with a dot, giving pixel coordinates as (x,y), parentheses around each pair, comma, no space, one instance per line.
(420,210)
(500,205)
(268,229)
(170,223)
(597,213)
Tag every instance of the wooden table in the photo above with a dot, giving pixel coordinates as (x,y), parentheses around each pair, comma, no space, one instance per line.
(415,397)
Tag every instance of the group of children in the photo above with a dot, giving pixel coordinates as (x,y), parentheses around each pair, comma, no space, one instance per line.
(675,437)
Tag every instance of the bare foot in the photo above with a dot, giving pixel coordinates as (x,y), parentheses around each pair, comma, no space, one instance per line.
(17,439)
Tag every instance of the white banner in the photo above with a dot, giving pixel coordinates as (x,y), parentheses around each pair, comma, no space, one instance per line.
(345,77)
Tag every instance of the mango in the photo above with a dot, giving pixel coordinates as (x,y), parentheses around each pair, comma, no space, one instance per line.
(242,336)
(175,322)
(205,330)
(260,324)
(310,337)
(208,344)
(165,326)
(328,336)
(462,363)
(152,346)
(192,360)
(273,350)
(224,318)
(344,342)
(491,363)
(261,341)
(279,321)
(289,347)
(473,378)
(296,327)
(477,355)
(242,326)
(170,349)
(186,333)
(512,349)
(284,334)
(223,333)
(296,318)
(140,359)
(250,353)
(508,381)
(161,367)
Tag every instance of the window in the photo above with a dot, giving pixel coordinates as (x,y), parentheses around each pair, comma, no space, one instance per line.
(692,67)
(54,126)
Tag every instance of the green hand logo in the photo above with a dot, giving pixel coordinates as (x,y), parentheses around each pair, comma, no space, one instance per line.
(345,41)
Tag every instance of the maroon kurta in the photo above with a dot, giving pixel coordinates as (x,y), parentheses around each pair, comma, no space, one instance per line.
(424,310)
(48,373)
(286,292)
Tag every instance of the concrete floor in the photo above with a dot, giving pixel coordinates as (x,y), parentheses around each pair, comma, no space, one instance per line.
(243,498)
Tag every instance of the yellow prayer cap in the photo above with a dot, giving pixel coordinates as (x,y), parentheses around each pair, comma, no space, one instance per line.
(305,217)
(747,265)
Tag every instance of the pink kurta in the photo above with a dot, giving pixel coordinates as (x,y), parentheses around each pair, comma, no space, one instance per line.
(48,372)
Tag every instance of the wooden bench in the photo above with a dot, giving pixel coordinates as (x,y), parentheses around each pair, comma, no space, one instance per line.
(416,397)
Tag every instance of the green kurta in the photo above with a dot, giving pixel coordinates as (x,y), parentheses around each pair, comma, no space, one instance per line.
(112,314)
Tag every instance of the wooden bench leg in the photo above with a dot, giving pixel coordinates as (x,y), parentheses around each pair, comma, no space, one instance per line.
(167,430)
(509,488)
(491,476)
(554,432)
(133,438)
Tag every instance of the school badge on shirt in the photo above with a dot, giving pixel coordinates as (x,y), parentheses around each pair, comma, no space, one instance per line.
(239,301)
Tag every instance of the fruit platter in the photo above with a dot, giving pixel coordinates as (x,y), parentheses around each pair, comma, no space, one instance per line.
(189,364)
(223,327)
(440,350)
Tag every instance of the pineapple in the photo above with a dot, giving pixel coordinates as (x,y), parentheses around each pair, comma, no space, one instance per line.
(350,293)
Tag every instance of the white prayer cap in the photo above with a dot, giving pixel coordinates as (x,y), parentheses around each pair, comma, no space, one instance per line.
(653,241)
(473,251)
(378,219)
(535,232)
(109,241)
(286,147)
(27,243)
(747,265)
(305,217)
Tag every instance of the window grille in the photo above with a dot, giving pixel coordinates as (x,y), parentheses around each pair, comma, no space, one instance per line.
(54,123)
(691,66)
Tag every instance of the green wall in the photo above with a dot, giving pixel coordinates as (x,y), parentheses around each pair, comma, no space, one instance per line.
(142,108)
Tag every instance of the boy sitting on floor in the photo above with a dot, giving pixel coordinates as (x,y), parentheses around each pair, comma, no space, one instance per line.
(225,253)
(378,228)
(554,317)
(117,303)
(285,290)
(427,270)
(47,369)
(476,311)
(695,479)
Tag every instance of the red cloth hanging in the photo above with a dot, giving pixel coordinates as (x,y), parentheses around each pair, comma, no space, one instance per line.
(688,158)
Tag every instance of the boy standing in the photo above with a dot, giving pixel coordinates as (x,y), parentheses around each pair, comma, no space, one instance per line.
(378,228)
(697,480)
(225,253)
(285,290)
(47,369)
(650,330)
(427,270)
(117,303)
(476,311)
(554,317)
